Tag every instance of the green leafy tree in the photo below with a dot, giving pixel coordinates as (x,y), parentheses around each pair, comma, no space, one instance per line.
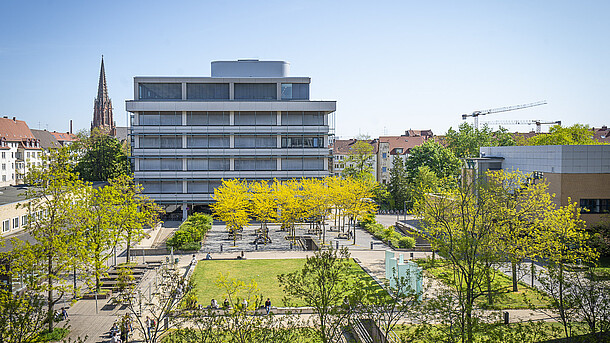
(324,284)
(103,157)
(398,186)
(22,317)
(467,140)
(439,159)
(55,197)
(359,164)
(576,134)
(132,211)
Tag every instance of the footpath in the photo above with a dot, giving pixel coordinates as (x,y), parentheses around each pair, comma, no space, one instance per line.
(94,319)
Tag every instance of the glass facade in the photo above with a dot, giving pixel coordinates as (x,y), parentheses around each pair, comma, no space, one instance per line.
(303,163)
(206,118)
(255,91)
(255,164)
(203,164)
(302,118)
(160,164)
(207,91)
(160,142)
(207,142)
(161,118)
(295,91)
(302,141)
(160,91)
(256,141)
(255,118)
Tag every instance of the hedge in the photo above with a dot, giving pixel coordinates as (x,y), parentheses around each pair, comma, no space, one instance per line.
(190,233)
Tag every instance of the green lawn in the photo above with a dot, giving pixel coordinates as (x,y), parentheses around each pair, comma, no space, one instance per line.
(263,272)
(504,299)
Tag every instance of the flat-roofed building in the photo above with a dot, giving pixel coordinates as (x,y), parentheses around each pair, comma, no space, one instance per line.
(249,120)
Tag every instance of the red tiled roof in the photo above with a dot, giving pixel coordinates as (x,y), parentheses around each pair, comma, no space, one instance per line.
(15,130)
(343,146)
(64,136)
(404,142)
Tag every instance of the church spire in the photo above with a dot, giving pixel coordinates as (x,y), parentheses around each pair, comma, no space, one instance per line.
(102,107)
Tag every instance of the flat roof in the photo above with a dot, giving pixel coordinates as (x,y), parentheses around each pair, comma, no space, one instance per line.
(12,194)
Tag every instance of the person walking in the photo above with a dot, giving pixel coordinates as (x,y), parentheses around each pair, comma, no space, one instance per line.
(148,326)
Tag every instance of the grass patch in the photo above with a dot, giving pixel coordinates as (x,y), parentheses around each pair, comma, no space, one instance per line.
(264,272)
(56,335)
(504,298)
(514,332)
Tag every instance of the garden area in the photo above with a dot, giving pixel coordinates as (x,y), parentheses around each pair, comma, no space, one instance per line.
(264,272)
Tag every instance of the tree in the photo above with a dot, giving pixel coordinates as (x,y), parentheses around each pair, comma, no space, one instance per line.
(576,134)
(263,204)
(232,202)
(22,316)
(163,305)
(324,284)
(103,157)
(55,197)
(439,159)
(467,140)
(132,211)
(359,164)
(398,185)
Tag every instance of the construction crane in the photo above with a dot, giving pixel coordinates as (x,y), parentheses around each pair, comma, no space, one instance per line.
(536,122)
(476,114)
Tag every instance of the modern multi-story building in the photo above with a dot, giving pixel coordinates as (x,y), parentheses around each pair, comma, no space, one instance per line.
(249,120)
(575,173)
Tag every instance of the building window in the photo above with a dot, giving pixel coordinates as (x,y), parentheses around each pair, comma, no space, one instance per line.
(256,164)
(203,186)
(207,118)
(162,186)
(207,142)
(302,118)
(207,91)
(255,141)
(255,118)
(255,91)
(3,166)
(160,91)
(24,220)
(384,169)
(204,164)
(15,222)
(295,91)
(6,226)
(303,164)
(384,155)
(595,205)
(160,118)
(3,154)
(302,142)
(161,142)
(162,164)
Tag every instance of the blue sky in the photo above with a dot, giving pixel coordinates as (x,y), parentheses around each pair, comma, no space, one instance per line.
(390,65)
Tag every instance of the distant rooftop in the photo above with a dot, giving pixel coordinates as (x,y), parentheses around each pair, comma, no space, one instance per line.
(250,68)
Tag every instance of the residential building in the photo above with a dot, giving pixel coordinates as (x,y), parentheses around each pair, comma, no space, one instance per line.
(248,120)
(343,148)
(102,106)
(576,173)
(47,139)
(64,138)
(19,150)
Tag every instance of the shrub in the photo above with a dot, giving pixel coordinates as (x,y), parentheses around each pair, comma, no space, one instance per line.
(192,231)
(190,246)
(56,335)
(406,242)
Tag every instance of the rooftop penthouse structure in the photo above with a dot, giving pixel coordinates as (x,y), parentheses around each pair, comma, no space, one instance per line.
(249,120)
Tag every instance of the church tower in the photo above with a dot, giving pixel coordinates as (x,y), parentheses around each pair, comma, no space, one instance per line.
(102,107)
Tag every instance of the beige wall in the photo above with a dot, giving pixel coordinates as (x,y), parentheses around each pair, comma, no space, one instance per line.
(10,211)
(579,186)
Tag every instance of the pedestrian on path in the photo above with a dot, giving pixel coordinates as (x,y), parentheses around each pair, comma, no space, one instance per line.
(148,326)
(64,313)
(268,305)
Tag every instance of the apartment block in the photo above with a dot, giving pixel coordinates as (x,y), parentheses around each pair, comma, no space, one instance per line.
(19,150)
(248,120)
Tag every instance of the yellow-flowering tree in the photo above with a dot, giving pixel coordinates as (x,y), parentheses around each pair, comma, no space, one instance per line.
(232,203)
(263,204)
(290,201)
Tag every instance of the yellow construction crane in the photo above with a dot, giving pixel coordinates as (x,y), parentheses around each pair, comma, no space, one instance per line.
(476,114)
(536,122)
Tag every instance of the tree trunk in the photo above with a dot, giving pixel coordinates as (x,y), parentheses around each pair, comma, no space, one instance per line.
(514,270)
(50,311)
(490,299)
(128,248)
